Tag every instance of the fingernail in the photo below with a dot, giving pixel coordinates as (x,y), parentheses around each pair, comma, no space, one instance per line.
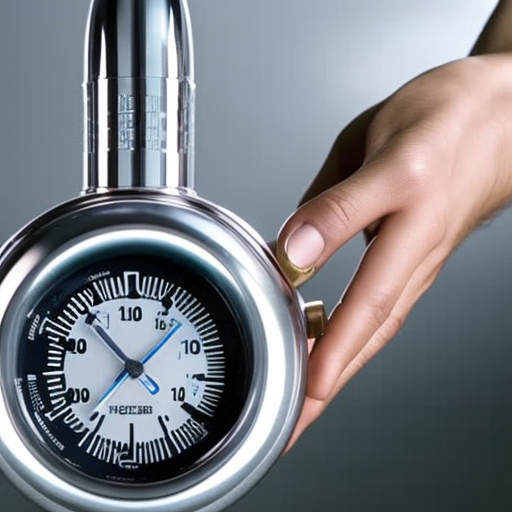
(304,246)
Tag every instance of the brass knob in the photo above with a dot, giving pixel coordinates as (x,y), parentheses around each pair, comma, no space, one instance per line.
(316,319)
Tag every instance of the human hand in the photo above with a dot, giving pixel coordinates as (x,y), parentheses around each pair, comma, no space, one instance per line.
(417,173)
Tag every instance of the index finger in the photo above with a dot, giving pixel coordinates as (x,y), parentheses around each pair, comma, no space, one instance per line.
(403,242)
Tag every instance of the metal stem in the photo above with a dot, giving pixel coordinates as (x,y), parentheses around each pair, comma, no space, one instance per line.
(139,95)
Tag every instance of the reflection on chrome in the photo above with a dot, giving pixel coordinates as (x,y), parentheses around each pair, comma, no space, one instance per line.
(139,95)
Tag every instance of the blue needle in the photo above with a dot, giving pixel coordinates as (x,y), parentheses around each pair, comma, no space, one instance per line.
(166,338)
(124,375)
(134,368)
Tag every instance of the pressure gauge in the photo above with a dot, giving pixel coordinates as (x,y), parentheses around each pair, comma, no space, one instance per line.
(152,353)
(127,370)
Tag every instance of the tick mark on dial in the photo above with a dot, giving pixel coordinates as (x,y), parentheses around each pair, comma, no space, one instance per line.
(89,319)
(195,414)
(167,303)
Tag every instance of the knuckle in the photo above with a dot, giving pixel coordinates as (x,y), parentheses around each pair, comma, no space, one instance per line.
(341,208)
(379,306)
(391,326)
(416,164)
(415,172)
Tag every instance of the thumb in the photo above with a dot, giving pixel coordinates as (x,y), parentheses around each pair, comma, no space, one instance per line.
(314,232)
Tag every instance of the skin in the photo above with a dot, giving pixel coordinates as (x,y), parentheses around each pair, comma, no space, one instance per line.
(416,173)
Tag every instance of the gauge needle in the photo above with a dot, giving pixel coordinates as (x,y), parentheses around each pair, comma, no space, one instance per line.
(175,326)
(124,375)
(133,369)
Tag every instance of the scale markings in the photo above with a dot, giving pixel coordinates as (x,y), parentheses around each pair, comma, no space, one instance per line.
(179,297)
(199,414)
(82,302)
(215,363)
(207,330)
(205,409)
(171,447)
(147,283)
(208,402)
(155,288)
(213,392)
(211,340)
(192,307)
(55,355)
(71,313)
(65,322)
(215,372)
(214,351)
(88,432)
(199,317)
(53,328)
(99,288)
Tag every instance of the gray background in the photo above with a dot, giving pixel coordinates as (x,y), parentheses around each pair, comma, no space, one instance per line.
(427,425)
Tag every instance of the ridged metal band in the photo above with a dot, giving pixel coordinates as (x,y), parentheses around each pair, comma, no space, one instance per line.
(139,95)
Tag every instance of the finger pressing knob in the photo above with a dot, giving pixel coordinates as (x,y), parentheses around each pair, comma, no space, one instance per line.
(298,276)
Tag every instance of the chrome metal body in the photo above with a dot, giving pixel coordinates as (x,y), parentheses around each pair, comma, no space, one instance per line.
(267,302)
(139,92)
(139,95)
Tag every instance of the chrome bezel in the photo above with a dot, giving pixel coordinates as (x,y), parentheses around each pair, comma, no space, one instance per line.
(269,305)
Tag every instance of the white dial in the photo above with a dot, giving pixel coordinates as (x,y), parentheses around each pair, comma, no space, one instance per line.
(130,371)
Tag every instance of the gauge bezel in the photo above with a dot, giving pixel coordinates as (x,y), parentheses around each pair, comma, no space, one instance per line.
(91,249)
(272,311)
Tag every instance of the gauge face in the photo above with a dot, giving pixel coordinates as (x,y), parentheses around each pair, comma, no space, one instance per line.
(132,369)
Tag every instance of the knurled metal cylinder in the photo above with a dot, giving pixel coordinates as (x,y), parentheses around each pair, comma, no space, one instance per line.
(139,95)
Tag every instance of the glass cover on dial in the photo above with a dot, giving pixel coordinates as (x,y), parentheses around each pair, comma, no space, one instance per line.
(132,369)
